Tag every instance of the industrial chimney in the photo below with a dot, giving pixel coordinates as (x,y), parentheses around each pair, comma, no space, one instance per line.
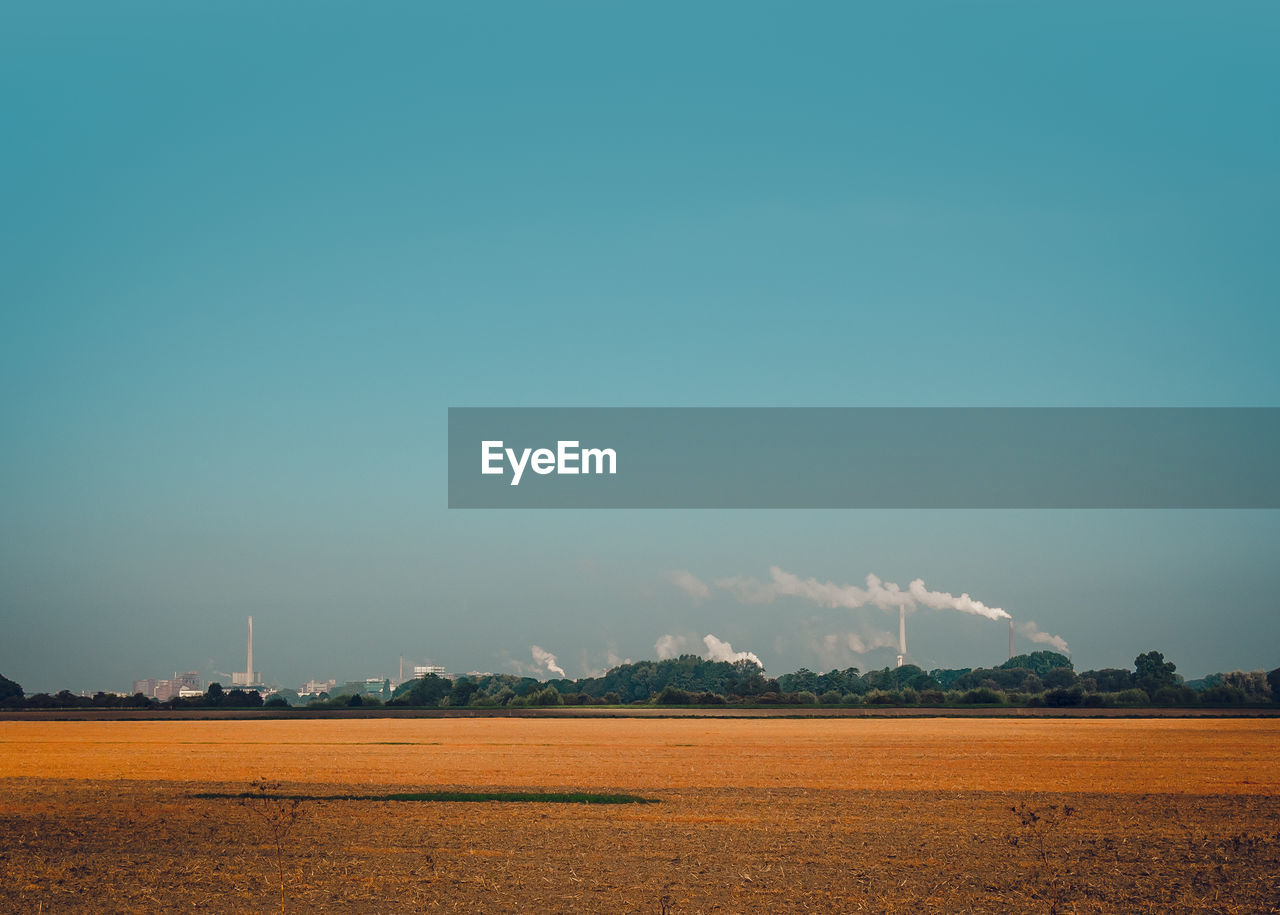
(1011,639)
(902,633)
(248,677)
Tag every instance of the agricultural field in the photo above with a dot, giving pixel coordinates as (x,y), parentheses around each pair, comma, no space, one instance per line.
(759,815)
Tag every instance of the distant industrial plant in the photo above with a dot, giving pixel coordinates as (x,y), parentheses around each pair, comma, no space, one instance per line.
(189,684)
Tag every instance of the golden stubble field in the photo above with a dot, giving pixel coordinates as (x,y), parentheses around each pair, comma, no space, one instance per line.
(753,815)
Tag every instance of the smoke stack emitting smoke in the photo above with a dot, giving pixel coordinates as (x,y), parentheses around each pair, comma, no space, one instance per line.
(878,593)
(885,595)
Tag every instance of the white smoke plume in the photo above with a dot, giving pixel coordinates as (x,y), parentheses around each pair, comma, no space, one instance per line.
(882,594)
(546,661)
(1032,632)
(718,650)
(748,590)
(669,646)
(689,583)
(942,600)
(828,594)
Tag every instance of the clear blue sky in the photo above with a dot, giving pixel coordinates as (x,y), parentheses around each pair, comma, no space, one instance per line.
(249,256)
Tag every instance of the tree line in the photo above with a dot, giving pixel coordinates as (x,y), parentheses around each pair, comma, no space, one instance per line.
(1038,679)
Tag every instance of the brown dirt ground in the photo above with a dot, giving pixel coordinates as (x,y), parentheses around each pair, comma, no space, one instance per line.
(754,816)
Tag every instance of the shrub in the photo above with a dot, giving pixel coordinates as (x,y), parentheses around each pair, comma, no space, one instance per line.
(547,696)
(1175,695)
(1059,698)
(673,695)
(1254,683)
(830,697)
(1223,695)
(982,695)
(932,697)
(804,697)
(1131,697)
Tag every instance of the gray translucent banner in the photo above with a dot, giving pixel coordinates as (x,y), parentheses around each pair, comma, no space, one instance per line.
(864,457)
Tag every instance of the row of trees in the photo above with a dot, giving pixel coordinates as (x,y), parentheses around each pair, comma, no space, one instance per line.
(1042,678)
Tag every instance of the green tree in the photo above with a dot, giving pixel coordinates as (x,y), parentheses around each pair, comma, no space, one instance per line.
(1223,695)
(673,695)
(1059,678)
(1152,672)
(1039,662)
(10,693)
(424,691)
(462,691)
(1253,683)
(547,696)
(1109,679)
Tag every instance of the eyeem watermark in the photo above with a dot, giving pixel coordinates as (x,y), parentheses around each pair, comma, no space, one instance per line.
(865,457)
(568,459)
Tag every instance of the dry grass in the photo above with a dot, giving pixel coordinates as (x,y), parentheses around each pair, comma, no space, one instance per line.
(764,815)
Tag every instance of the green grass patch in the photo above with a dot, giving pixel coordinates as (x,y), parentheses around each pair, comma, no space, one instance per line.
(524,797)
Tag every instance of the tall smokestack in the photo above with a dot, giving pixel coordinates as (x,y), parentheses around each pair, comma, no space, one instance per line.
(249,668)
(1010,639)
(902,633)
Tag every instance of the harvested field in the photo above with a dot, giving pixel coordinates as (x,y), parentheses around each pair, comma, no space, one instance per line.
(752,815)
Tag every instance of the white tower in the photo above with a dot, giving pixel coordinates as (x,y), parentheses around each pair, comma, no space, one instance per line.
(250,676)
(902,633)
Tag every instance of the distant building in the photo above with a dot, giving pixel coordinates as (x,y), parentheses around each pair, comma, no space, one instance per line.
(186,683)
(316,687)
(421,670)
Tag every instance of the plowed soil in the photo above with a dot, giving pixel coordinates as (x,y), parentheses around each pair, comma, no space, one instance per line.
(831,815)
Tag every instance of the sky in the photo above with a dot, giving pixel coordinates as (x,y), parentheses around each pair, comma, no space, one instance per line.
(250,256)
